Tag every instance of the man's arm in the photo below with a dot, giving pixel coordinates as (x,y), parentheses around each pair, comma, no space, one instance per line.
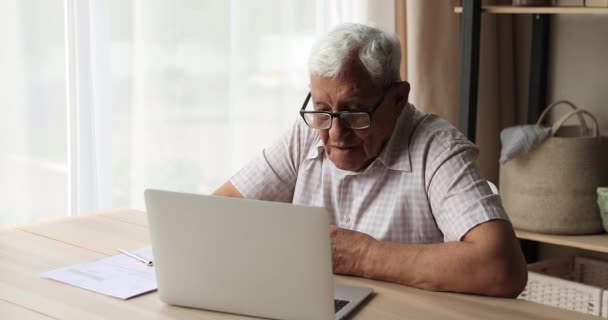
(488,261)
(271,176)
(227,190)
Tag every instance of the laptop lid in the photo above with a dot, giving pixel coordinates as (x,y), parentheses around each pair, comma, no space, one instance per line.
(249,257)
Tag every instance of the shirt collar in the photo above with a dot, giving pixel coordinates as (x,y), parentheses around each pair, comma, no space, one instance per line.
(396,155)
(316,150)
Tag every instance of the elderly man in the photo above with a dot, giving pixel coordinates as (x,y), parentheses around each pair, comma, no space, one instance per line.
(407,202)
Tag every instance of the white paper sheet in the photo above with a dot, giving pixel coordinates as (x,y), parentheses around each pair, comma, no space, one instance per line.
(119,276)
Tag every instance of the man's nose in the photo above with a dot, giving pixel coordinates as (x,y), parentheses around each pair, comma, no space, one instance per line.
(337,130)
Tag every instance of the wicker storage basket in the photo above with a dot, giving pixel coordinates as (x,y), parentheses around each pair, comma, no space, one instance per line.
(605,304)
(552,189)
(577,284)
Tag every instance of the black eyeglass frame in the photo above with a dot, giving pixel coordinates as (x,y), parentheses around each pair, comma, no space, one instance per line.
(370,112)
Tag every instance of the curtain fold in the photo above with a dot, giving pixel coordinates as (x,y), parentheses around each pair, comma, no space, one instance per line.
(430,35)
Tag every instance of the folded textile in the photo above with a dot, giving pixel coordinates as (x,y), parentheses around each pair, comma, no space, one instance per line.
(520,140)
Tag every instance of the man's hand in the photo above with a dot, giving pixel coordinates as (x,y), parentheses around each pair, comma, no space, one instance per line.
(228,190)
(348,250)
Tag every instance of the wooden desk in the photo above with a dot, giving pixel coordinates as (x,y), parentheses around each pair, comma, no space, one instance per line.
(27,251)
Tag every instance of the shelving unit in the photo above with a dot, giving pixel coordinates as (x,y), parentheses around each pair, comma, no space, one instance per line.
(471,26)
(471,11)
(596,242)
(538,10)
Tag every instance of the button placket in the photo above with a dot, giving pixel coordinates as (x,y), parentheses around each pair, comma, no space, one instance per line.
(343,204)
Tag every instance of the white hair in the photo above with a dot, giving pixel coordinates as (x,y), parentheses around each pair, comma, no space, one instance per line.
(378,51)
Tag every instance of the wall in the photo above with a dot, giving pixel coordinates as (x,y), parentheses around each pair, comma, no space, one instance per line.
(578,65)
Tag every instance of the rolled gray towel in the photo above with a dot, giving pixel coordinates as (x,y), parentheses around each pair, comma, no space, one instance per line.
(520,140)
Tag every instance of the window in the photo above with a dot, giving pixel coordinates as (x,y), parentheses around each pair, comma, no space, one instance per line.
(103,99)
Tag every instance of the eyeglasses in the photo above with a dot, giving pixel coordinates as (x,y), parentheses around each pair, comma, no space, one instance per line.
(359,119)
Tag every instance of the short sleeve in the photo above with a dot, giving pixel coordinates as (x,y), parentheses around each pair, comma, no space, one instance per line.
(460,197)
(272,174)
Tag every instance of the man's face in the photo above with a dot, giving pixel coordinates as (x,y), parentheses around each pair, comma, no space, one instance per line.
(354,149)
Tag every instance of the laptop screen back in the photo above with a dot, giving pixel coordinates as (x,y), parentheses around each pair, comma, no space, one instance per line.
(240,256)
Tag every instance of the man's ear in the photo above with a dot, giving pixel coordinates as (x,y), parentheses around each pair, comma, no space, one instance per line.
(402,92)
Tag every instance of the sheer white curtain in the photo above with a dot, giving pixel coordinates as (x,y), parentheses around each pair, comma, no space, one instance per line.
(128,95)
(33,145)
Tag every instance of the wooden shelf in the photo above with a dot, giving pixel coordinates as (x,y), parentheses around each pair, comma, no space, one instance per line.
(597,242)
(539,10)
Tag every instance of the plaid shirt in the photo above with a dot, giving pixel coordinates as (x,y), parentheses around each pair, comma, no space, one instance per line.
(424,186)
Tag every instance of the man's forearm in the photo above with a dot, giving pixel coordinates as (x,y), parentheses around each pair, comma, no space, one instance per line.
(452,266)
(438,267)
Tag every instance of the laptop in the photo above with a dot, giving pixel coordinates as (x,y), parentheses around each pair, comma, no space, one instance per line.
(248,257)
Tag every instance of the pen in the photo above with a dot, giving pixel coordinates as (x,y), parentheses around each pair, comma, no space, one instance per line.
(136,257)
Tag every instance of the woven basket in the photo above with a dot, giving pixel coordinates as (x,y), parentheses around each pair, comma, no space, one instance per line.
(576,284)
(552,189)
